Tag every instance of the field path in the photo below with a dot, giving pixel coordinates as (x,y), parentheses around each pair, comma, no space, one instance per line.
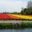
(10,21)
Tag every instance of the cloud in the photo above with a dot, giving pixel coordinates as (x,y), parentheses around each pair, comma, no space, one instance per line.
(11,6)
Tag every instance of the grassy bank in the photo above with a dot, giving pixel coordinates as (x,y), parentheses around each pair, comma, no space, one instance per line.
(16,26)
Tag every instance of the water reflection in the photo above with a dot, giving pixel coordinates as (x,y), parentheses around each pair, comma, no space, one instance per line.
(14,30)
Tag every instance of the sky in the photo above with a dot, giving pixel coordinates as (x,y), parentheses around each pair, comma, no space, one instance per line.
(12,5)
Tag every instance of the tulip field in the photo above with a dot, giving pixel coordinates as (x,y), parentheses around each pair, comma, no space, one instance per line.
(15,16)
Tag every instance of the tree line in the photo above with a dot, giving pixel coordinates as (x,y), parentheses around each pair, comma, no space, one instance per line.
(27,11)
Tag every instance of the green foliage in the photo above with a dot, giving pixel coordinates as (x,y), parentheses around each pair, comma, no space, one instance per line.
(27,11)
(16,26)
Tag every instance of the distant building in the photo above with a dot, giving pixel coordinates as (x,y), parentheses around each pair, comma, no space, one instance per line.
(29,4)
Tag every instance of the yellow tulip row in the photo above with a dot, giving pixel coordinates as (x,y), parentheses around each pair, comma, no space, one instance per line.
(22,16)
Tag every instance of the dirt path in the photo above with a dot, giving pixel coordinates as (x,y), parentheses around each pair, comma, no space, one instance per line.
(10,21)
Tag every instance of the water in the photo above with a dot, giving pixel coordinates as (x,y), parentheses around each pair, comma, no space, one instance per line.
(13,30)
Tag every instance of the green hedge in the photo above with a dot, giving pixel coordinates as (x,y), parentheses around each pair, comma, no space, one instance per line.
(16,26)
